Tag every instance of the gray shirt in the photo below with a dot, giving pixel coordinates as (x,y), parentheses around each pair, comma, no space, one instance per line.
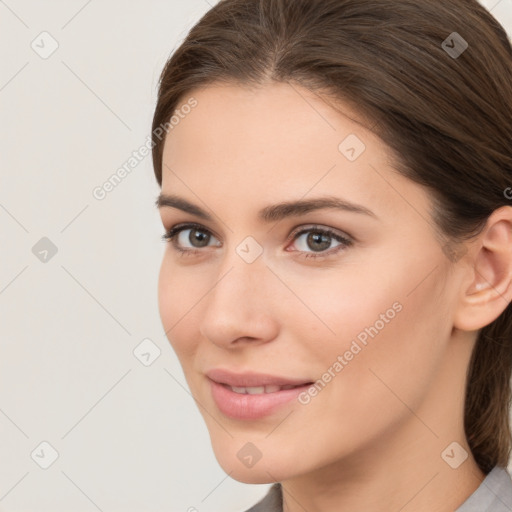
(493,495)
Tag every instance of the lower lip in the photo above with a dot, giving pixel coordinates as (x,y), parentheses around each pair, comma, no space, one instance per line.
(251,407)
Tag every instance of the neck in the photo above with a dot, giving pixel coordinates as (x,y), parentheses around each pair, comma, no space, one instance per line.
(408,486)
(405,468)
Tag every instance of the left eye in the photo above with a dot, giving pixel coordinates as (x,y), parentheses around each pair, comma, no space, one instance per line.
(319,241)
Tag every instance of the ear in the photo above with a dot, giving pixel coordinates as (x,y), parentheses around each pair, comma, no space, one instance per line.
(487,291)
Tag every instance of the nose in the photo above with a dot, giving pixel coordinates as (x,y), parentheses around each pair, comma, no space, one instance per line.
(239,309)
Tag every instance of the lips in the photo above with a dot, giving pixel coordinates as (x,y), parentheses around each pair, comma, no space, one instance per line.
(254,380)
(252,396)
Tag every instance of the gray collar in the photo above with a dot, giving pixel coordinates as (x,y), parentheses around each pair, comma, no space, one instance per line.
(494,494)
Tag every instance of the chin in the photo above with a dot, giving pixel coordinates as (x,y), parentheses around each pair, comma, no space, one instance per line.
(262,471)
(249,477)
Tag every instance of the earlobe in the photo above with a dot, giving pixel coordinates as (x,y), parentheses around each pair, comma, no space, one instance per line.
(490,290)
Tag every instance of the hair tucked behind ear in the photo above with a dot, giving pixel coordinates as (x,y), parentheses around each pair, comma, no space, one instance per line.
(447,119)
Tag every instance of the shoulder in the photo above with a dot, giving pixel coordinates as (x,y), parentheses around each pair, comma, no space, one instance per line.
(271,502)
(493,495)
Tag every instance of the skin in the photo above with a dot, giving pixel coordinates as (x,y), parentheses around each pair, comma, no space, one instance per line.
(372,439)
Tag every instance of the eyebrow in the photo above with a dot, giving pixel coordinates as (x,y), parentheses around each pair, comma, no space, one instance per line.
(273,212)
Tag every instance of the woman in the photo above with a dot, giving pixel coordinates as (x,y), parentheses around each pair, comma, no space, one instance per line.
(337,282)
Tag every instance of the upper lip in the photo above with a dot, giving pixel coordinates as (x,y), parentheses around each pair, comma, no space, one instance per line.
(251,379)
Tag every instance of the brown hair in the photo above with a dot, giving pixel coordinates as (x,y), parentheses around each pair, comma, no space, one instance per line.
(447,117)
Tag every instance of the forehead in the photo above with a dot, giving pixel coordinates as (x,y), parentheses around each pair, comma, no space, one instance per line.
(278,142)
(264,117)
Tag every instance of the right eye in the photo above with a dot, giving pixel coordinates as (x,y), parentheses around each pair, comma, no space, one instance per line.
(198,236)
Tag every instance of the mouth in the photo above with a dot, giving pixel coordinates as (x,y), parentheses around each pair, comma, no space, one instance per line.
(260,390)
(254,381)
(252,396)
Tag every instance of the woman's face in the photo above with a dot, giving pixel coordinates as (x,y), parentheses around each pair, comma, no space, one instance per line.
(369,320)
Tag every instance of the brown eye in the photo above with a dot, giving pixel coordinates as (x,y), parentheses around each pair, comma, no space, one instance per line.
(188,237)
(317,242)
(198,237)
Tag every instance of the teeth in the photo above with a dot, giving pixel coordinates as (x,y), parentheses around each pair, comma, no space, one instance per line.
(259,390)
(255,391)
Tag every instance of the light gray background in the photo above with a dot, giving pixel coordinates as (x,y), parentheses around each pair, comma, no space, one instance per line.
(128,436)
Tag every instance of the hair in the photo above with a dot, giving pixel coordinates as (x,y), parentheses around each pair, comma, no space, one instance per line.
(446,118)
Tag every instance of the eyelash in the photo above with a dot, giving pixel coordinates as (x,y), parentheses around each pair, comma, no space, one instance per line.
(170,236)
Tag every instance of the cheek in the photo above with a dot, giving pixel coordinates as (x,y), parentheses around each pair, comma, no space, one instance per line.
(385,322)
(384,296)
(176,301)
(340,305)
(392,337)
